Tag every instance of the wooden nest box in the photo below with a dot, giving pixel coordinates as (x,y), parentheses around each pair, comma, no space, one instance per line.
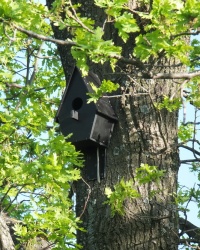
(91,125)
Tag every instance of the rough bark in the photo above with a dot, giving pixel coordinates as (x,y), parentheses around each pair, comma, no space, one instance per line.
(6,241)
(143,135)
(149,222)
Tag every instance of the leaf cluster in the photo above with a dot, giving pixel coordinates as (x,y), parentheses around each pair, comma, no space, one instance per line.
(122,191)
(38,166)
(106,87)
(169,104)
(185,132)
(146,174)
(125,190)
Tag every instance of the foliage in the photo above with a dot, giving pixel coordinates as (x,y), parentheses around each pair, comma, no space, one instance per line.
(194,88)
(106,87)
(125,189)
(124,21)
(94,47)
(185,132)
(122,191)
(169,104)
(146,174)
(162,31)
(37,164)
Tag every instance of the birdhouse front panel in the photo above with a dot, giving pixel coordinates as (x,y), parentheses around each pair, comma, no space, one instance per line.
(75,115)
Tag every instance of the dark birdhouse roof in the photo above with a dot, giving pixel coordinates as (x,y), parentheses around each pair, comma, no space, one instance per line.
(103,105)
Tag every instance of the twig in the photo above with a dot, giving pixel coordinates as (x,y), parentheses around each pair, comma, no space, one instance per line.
(18,192)
(28,63)
(35,67)
(12,39)
(119,96)
(87,199)
(75,18)
(194,134)
(139,85)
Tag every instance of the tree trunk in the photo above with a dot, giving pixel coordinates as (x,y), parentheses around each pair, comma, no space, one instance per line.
(142,135)
(6,241)
(149,222)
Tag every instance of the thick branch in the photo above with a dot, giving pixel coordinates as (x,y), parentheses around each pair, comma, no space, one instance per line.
(181,75)
(132,61)
(43,38)
(13,85)
(189,161)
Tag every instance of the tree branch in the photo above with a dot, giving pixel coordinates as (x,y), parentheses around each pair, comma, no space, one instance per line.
(87,199)
(181,75)
(190,140)
(190,149)
(13,85)
(132,61)
(43,38)
(192,123)
(184,241)
(189,160)
(197,32)
(35,67)
(188,228)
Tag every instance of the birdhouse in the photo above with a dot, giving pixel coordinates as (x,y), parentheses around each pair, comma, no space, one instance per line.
(91,125)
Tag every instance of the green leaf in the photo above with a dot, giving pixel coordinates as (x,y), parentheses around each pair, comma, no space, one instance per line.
(185,132)
(122,191)
(169,104)
(146,174)
(106,87)
(126,24)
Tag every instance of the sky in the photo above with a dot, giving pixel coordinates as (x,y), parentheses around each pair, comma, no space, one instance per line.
(186,177)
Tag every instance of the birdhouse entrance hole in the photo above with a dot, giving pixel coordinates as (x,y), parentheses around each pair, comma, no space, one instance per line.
(77,103)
